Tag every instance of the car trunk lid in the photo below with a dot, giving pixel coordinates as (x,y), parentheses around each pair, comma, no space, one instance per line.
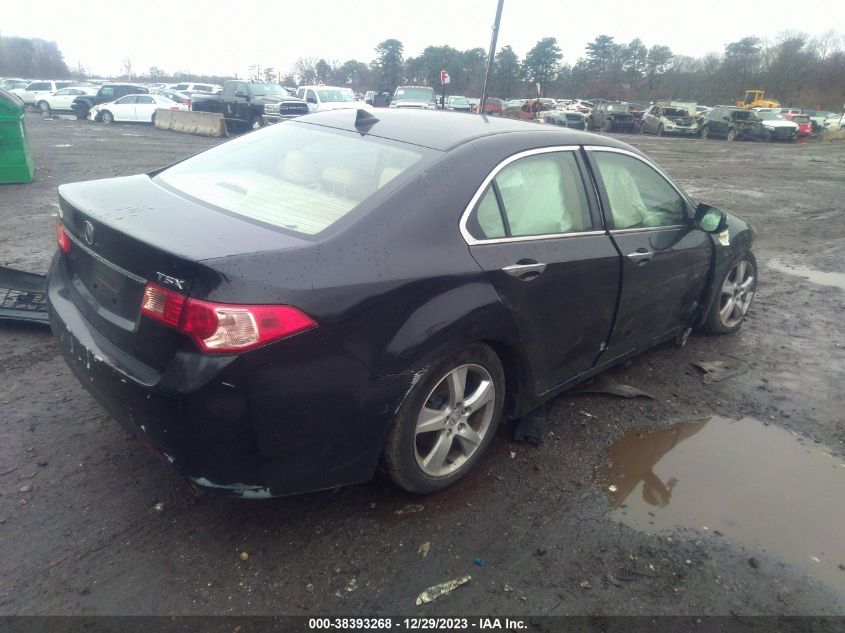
(128,232)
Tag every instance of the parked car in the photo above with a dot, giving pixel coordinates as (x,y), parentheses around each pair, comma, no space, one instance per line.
(778,126)
(458,104)
(11,83)
(61,100)
(493,106)
(191,88)
(805,125)
(35,91)
(581,106)
(289,310)
(250,104)
(566,118)
(669,119)
(611,116)
(107,93)
(734,124)
(414,97)
(817,118)
(139,108)
(174,95)
(322,98)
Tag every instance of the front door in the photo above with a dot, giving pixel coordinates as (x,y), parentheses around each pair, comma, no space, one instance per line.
(145,107)
(124,108)
(665,258)
(538,234)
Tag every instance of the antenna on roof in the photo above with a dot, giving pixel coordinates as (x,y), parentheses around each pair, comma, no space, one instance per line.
(364,121)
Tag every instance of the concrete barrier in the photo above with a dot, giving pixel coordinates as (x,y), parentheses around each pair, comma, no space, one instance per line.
(833,135)
(200,123)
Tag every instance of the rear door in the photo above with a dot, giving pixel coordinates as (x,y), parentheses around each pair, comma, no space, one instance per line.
(145,107)
(665,258)
(534,227)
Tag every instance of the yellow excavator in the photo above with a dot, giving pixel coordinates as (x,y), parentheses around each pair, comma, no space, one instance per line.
(754,99)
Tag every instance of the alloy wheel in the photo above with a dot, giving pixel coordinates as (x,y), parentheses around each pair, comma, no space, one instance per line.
(737,293)
(454,420)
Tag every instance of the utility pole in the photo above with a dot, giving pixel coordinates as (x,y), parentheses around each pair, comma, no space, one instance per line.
(490,57)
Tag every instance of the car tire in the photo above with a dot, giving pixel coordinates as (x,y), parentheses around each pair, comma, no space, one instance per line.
(659,130)
(731,135)
(153,119)
(733,299)
(257,123)
(425,461)
(82,117)
(44,107)
(106,117)
(705,133)
(608,126)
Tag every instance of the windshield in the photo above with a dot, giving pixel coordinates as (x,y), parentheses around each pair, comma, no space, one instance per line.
(675,112)
(414,94)
(745,115)
(267,90)
(459,100)
(298,177)
(343,95)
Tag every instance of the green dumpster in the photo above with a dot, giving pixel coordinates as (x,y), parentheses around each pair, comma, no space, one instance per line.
(15,159)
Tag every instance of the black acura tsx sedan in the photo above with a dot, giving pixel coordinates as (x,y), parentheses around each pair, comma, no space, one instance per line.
(296,308)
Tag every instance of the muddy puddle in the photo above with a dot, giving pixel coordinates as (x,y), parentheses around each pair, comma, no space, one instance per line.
(836,280)
(741,481)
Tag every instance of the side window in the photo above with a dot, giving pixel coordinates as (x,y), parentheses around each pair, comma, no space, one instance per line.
(540,195)
(107,91)
(146,100)
(311,96)
(639,196)
(126,100)
(230,88)
(39,86)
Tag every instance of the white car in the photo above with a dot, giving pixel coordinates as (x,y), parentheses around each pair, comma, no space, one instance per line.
(213,89)
(778,127)
(321,98)
(140,108)
(61,99)
(37,90)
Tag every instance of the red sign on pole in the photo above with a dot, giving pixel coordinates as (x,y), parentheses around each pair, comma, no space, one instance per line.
(444,77)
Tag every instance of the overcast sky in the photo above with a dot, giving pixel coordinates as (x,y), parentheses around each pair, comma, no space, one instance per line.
(224,37)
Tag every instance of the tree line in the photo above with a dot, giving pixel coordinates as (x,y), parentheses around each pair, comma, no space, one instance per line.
(796,69)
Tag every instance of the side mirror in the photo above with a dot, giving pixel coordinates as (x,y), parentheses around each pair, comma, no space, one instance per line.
(710,219)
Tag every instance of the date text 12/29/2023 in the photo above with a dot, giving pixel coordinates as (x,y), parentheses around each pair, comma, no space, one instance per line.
(416,624)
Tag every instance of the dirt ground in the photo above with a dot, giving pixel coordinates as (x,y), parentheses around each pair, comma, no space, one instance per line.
(81,531)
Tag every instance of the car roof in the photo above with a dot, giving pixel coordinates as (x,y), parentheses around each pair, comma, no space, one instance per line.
(445,130)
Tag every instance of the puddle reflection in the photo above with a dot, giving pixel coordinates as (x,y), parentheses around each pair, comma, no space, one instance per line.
(757,485)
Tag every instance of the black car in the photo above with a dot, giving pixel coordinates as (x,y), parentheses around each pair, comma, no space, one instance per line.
(107,93)
(288,310)
(249,105)
(566,118)
(733,124)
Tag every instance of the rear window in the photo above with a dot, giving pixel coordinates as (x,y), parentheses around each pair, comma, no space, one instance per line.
(297,177)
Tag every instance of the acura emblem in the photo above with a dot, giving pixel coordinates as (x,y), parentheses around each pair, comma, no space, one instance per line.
(88,233)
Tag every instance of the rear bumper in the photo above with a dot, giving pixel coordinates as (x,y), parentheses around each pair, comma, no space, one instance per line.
(291,417)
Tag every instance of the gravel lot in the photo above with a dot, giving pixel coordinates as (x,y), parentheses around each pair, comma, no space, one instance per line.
(81,531)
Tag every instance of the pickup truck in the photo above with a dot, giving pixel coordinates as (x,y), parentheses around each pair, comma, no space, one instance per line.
(249,104)
(107,93)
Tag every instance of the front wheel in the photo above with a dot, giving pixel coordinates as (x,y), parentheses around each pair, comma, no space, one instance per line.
(731,135)
(257,122)
(447,421)
(659,130)
(735,295)
(705,133)
(44,107)
(106,117)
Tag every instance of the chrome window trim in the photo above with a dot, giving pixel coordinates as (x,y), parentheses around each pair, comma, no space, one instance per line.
(643,159)
(472,241)
(643,229)
(104,261)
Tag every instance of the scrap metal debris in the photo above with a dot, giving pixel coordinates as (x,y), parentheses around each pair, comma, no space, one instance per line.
(438,591)
(608,385)
(23,296)
(532,428)
(719,370)
(424,548)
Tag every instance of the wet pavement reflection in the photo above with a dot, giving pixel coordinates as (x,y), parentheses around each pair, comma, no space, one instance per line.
(743,481)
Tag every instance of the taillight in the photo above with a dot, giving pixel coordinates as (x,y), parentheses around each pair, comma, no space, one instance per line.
(223,328)
(62,237)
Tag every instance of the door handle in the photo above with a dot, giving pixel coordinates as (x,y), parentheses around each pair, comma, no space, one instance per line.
(525,270)
(640,256)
